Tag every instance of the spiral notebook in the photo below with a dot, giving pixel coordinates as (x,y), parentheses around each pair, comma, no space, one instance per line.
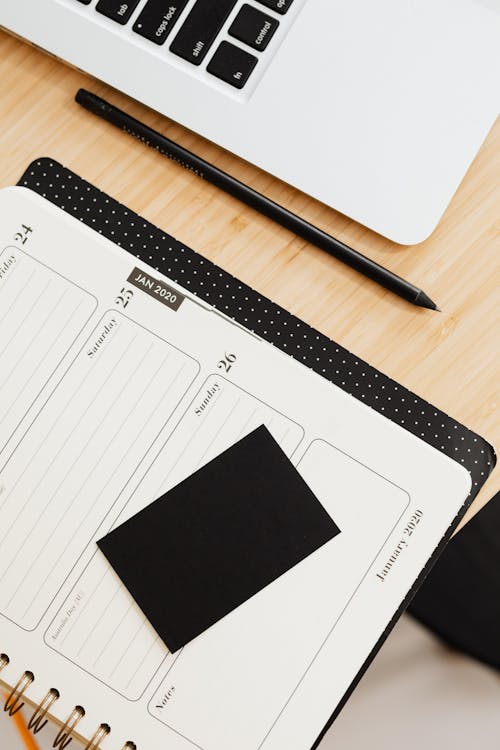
(130,361)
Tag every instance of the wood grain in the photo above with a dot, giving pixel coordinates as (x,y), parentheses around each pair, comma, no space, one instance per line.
(449,358)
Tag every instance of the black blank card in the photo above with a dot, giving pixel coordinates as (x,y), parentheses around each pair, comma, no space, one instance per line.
(218,538)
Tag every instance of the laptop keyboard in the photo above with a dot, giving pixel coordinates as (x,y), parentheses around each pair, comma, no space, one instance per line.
(196,36)
(200,29)
(156,25)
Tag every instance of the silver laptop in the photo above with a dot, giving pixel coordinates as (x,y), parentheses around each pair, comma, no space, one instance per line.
(374,108)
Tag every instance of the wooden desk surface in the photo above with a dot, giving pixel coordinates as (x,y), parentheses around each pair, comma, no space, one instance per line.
(449,358)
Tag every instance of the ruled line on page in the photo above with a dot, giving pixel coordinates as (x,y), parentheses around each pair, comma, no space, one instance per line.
(7,281)
(18,326)
(35,336)
(124,458)
(80,489)
(80,457)
(144,658)
(26,539)
(218,430)
(256,413)
(51,429)
(119,624)
(126,647)
(98,620)
(114,640)
(31,311)
(60,333)
(88,600)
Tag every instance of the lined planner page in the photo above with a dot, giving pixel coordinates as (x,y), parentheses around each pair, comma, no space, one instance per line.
(99,627)
(42,313)
(115,385)
(78,456)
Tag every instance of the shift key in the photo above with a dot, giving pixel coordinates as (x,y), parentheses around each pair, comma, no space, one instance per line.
(200,29)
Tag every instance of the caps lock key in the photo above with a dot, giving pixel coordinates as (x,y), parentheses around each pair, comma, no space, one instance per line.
(158,18)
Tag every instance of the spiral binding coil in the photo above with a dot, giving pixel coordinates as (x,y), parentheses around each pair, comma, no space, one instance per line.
(14,703)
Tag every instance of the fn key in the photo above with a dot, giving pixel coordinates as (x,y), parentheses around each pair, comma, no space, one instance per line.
(232,65)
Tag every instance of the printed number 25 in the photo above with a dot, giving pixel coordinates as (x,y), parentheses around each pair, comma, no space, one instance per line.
(226,363)
(124,297)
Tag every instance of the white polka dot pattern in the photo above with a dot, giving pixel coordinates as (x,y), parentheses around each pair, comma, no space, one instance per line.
(260,315)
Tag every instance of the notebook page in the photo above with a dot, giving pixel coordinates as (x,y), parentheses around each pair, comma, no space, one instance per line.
(43,313)
(144,385)
(79,454)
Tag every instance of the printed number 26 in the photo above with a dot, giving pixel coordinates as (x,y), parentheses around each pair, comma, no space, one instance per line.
(226,363)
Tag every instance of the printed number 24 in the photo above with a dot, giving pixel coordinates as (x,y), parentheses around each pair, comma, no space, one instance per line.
(23,235)
(226,363)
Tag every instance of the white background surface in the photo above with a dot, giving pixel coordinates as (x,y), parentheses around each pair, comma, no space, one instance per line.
(419,693)
(416,691)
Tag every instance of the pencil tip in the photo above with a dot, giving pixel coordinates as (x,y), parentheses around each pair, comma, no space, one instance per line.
(424,301)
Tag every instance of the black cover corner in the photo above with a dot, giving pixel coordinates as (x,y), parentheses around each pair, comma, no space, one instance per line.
(460,600)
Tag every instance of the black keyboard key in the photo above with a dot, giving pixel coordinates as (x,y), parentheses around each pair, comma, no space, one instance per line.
(85,2)
(200,29)
(280,6)
(232,65)
(158,18)
(253,27)
(117,10)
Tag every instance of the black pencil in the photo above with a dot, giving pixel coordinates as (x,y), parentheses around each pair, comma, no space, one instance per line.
(255,200)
